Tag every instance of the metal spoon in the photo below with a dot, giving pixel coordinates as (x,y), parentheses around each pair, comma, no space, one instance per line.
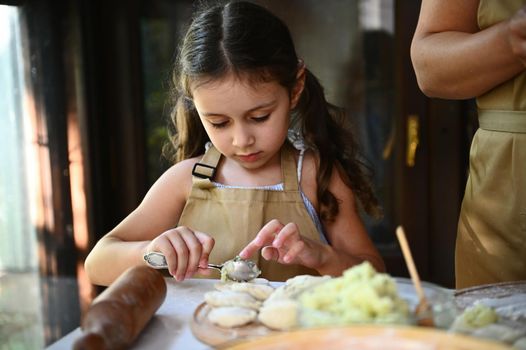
(237,269)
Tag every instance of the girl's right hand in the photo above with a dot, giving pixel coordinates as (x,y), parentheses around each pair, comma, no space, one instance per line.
(517,34)
(186,251)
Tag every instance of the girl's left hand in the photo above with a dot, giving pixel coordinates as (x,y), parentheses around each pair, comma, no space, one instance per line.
(285,244)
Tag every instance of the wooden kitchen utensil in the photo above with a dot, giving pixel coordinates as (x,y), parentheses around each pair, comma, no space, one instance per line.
(423,310)
(118,315)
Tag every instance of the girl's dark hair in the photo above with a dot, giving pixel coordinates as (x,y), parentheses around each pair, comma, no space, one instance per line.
(247,40)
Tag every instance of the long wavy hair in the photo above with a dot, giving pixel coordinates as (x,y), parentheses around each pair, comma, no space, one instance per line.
(247,40)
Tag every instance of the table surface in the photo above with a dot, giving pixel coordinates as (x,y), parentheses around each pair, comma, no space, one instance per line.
(169,328)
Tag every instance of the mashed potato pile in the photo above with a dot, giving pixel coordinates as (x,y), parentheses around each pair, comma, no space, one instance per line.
(361,295)
(476,316)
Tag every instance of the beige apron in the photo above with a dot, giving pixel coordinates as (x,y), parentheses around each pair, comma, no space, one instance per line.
(233,216)
(491,240)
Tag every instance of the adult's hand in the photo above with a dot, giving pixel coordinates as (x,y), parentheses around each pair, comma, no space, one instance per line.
(517,34)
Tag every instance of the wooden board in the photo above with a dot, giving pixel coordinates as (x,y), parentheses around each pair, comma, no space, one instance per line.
(366,337)
(211,334)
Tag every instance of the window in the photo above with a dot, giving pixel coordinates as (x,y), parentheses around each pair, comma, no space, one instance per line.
(20,301)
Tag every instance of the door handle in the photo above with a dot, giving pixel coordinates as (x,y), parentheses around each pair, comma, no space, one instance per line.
(413,139)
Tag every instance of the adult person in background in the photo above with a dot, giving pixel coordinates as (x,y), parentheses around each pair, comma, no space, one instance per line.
(466,49)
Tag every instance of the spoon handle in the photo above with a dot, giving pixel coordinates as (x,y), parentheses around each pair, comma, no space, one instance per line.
(158,261)
(155,260)
(215,266)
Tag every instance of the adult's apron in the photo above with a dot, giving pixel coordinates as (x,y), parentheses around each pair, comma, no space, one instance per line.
(491,240)
(233,216)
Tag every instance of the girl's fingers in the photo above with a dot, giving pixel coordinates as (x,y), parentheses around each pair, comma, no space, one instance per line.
(287,233)
(186,251)
(247,252)
(182,253)
(270,253)
(194,249)
(163,245)
(207,243)
(264,237)
(293,251)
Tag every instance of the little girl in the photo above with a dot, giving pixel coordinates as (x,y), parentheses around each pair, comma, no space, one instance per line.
(240,186)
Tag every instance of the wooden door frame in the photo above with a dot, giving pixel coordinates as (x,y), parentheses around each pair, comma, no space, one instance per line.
(413,195)
(431,192)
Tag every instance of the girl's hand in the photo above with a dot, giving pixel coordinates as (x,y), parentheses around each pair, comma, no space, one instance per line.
(285,244)
(186,251)
(517,34)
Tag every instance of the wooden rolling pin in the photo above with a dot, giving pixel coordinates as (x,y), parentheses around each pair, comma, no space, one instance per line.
(118,315)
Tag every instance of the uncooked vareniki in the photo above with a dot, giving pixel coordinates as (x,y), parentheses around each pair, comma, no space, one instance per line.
(293,287)
(231,316)
(280,314)
(231,298)
(258,291)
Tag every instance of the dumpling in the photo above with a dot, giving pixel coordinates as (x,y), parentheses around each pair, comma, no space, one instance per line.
(293,287)
(258,291)
(231,316)
(231,298)
(280,314)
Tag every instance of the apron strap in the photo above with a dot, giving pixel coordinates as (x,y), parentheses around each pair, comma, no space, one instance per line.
(288,168)
(206,167)
(507,121)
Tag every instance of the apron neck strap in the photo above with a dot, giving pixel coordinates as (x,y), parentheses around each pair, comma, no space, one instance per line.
(206,167)
(288,168)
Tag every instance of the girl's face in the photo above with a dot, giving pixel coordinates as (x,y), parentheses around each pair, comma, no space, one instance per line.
(246,122)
